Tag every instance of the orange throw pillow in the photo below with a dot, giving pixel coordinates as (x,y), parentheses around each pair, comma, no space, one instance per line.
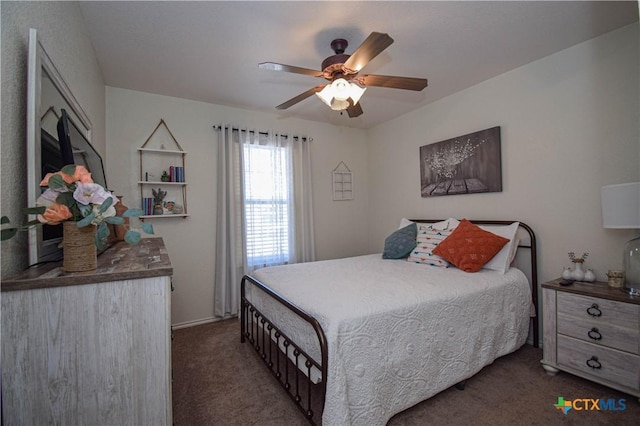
(469,247)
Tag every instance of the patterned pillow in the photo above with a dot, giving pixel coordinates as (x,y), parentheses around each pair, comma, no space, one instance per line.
(400,243)
(429,238)
(502,261)
(469,247)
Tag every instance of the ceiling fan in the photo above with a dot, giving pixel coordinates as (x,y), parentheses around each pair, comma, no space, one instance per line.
(342,71)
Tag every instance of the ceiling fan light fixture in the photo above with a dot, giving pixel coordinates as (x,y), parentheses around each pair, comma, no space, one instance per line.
(332,102)
(342,71)
(336,94)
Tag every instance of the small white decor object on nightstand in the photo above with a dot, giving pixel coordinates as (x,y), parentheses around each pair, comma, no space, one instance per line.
(578,272)
(593,331)
(589,276)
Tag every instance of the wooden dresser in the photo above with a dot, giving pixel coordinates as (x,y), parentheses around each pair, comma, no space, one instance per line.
(91,347)
(592,331)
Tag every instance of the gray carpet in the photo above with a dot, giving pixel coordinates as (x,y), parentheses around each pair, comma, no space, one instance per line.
(219,381)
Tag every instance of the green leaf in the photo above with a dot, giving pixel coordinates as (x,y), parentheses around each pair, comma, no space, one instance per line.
(132,213)
(147,228)
(69,169)
(35,210)
(5,234)
(85,210)
(99,242)
(66,198)
(4,220)
(132,237)
(116,220)
(32,223)
(103,231)
(107,203)
(86,221)
(56,182)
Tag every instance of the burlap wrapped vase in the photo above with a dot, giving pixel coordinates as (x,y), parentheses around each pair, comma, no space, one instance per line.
(79,248)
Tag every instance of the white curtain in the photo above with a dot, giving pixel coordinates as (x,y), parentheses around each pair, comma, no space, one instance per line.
(264,209)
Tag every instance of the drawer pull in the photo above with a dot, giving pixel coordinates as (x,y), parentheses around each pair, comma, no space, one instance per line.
(594,334)
(594,310)
(594,363)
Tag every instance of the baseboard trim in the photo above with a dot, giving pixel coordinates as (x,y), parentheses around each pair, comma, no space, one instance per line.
(202,321)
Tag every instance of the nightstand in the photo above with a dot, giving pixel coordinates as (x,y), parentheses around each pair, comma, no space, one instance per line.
(592,331)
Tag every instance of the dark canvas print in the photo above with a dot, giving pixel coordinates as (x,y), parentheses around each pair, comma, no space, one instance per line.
(464,165)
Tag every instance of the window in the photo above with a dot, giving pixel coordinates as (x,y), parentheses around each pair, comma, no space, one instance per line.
(267,204)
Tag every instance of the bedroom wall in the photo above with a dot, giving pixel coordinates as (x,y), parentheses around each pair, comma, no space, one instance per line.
(340,226)
(62,32)
(569,125)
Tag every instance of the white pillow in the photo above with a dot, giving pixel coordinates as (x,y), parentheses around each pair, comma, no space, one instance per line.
(501,262)
(450,223)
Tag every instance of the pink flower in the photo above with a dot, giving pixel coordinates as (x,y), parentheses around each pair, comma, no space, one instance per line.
(81,174)
(55,213)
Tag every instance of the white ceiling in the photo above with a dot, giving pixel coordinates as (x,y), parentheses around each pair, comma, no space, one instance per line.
(209,51)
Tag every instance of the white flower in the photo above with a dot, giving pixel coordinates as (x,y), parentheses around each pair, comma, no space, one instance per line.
(92,193)
(111,211)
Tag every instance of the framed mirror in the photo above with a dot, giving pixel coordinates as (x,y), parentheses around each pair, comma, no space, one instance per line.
(47,95)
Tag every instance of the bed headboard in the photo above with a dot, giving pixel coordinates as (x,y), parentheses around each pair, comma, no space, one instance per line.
(527,263)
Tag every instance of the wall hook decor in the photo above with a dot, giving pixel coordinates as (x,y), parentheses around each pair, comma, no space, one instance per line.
(342,182)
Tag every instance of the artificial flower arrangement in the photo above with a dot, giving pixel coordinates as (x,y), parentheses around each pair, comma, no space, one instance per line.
(574,259)
(72,196)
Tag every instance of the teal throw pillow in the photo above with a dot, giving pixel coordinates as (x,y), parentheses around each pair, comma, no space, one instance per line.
(399,244)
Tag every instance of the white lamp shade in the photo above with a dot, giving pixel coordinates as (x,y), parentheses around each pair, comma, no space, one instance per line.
(621,206)
(337,93)
(356,92)
(339,105)
(326,95)
(341,89)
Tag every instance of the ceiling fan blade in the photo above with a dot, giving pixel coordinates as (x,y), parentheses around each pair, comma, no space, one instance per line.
(354,110)
(394,82)
(369,49)
(289,68)
(300,97)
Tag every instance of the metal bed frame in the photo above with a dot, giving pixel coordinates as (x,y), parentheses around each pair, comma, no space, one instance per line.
(292,369)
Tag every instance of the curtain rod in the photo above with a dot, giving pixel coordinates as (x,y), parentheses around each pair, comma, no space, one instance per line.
(218,127)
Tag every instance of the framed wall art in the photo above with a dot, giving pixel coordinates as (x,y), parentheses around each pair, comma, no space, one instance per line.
(466,164)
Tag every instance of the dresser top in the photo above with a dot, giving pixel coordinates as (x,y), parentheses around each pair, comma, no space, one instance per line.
(596,289)
(122,261)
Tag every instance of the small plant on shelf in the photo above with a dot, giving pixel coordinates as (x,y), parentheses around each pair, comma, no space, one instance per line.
(158,197)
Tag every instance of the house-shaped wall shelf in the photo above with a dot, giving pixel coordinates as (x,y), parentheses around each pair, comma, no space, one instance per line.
(342,180)
(162,167)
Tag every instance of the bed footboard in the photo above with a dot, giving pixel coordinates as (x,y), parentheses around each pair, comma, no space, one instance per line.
(289,364)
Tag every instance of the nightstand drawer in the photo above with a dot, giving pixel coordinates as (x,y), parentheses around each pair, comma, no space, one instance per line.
(599,310)
(607,364)
(600,333)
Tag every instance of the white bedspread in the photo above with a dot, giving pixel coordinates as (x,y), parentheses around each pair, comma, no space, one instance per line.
(398,332)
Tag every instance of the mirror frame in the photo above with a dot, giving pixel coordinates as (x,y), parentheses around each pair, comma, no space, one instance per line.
(38,62)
